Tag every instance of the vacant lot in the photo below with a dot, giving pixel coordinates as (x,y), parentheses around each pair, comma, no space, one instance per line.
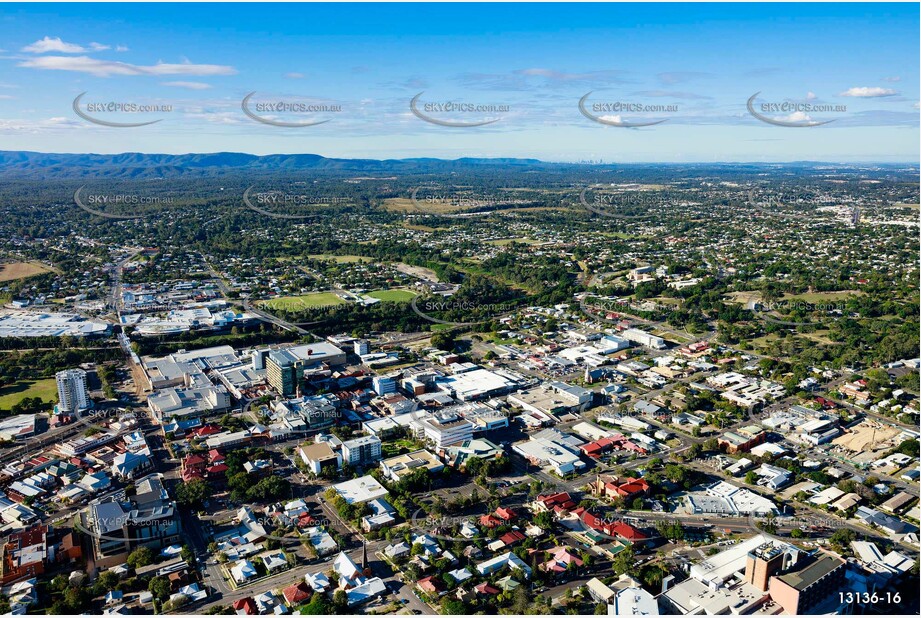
(395,296)
(305,301)
(868,440)
(46,390)
(21,270)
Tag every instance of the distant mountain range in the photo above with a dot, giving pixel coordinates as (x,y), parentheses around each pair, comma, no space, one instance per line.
(130,165)
(36,165)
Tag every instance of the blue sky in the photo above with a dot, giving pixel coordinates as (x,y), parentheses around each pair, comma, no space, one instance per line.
(697,64)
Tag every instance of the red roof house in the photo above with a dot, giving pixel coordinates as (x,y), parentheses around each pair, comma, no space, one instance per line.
(295,594)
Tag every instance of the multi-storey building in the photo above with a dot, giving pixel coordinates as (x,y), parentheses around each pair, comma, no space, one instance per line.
(72,392)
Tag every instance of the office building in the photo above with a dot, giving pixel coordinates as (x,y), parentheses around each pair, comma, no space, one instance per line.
(383,385)
(801,590)
(445,429)
(284,372)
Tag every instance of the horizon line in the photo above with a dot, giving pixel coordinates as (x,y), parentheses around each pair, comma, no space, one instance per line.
(480,158)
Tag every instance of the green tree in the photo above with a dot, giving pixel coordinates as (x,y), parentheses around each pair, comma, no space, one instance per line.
(159,587)
(140,557)
(193,493)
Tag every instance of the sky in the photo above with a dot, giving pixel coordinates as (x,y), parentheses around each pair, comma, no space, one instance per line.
(844,75)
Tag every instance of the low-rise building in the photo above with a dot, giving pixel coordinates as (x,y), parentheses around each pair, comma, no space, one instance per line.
(395,468)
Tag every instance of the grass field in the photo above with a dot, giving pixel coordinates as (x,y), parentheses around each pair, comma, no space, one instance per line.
(819,297)
(422,205)
(339,259)
(21,270)
(46,390)
(393,296)
(305,301)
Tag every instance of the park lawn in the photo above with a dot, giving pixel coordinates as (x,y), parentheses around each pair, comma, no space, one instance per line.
(304,301)
(21,270)
(45,389)
(393,296)
(392,449)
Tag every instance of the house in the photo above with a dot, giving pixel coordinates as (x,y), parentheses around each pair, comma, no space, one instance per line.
(269,603)
(560,561)
(245,606)
(628,488)
(511,538)
(275,562)
(298,593)
(243,571)
(382,515)
(430,585)
(490,521)
(558,503)
(616,529)
(502,561)
(460,575)
(397,550)
(128,465)
(486,589)
(318,582)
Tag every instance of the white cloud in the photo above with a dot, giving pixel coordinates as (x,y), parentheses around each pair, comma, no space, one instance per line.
(613,119)
(6,97)
(894,78)
(797,117)
(188,85)
(55,44)
(38,126)
(107,68)
(98,47)
(294,75)
(810,96)
(868,91)
(121,48)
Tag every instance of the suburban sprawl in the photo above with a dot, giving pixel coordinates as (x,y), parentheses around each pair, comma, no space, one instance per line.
(458,387)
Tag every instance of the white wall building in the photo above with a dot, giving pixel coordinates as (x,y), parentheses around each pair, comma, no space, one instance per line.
(72,393)
(363,451)
(446,428)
